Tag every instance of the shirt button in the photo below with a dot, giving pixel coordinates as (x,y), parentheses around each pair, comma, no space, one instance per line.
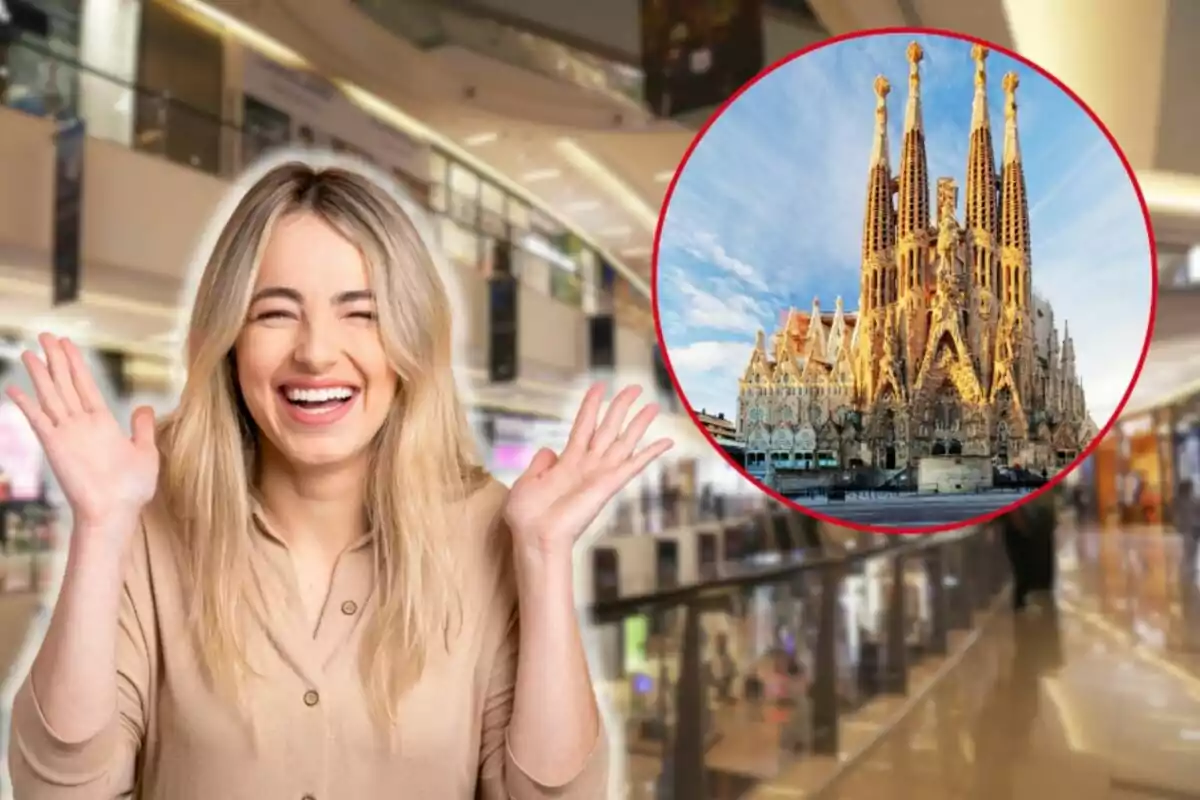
(349,607)
(311,698)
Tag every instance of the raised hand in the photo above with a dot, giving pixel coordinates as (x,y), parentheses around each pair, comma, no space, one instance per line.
(559,495)
(107,476)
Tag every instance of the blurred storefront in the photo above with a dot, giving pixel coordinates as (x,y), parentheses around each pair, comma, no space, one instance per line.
(1134,472)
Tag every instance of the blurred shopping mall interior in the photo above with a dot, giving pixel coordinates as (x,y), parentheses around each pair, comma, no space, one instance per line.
(741,650)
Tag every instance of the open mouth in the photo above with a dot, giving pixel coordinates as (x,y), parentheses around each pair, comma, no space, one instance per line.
(318,401)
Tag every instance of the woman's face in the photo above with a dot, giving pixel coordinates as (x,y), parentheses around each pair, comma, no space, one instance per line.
(310,361)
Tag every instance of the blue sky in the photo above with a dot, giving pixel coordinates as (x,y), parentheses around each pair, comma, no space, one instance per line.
(768,211)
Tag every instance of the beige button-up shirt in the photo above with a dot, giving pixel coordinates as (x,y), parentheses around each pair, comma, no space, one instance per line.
(312,737)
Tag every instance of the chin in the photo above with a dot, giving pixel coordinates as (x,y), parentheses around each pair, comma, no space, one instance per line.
(312,455)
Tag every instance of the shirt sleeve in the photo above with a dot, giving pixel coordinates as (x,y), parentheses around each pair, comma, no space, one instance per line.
(44,765)
(501,776)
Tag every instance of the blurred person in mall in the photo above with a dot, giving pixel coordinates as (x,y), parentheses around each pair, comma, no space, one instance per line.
(723,668)
(299,583)
(794,698)
(1187,523)
(5,497)
(1029,542)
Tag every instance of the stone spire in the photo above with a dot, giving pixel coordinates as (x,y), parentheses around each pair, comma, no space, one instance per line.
(981,156)
(1014,207)
(879,224)
(913,216)
(1014,204)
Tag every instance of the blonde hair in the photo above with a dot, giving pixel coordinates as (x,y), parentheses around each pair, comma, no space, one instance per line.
(423,458)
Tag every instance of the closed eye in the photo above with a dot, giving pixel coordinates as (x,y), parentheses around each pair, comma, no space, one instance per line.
(368,315)
(273,314)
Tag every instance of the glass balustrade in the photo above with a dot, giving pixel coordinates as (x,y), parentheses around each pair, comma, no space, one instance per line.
(47,84)
(769,677)
(430,24)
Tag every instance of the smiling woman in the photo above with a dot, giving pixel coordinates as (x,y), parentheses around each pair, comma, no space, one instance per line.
(300,582)
(310,354)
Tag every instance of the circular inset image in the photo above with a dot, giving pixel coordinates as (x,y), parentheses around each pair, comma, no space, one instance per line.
(913,271)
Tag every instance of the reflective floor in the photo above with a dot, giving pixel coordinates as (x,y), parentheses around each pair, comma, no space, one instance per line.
(1093,697)
(1097,698)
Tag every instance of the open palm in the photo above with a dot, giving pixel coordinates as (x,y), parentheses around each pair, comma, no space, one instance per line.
(103,472)
(559,495)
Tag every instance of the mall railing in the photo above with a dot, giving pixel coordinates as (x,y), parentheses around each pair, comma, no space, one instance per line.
(27,544)
(439,23)
(723,685)
(47,84)
(510,39)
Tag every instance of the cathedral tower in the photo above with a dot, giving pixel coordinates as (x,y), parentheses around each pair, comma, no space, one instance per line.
(913,217)
(981,211)
(981,218)
(879,239)
(1014,208)
(879,224)
(913,222)
(1015,276)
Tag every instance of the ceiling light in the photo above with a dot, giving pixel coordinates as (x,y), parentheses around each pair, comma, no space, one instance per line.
(664,176)
(268,46)
(480,139)
(1170,193)
(393,116)
(605,179)
(540,175)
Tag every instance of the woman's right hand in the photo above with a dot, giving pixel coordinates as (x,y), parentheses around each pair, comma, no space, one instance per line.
(107,476)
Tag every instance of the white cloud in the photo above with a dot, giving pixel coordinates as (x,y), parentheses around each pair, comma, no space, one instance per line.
(709,355)
(708,372)
(1092,260)
(706,247)
(735,313)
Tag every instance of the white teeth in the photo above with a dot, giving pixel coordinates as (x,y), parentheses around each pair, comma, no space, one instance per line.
(323,410)
(319,395)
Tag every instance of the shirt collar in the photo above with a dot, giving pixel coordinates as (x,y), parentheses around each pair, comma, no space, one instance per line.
(264,526)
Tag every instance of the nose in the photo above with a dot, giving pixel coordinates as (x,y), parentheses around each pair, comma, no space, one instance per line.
(317,345)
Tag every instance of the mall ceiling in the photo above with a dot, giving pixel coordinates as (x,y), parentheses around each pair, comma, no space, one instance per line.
(603,163)
(1130,61)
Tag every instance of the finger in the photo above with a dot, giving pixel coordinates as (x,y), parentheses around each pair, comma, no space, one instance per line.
(85,386)
(43,387)
(614,419)
(585,423)
(542,461)
(620,477)
(142,426)
(637,464)
(628,441)
(32,411)
(60,371)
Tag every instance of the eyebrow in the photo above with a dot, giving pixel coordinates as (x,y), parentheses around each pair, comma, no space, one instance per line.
(285,293)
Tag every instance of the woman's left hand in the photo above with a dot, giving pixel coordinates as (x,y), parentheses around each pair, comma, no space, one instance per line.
(559,495)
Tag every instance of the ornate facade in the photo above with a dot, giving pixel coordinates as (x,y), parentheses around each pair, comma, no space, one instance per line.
(950,351)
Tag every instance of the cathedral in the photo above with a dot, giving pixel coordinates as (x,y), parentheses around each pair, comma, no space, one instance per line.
(950,352)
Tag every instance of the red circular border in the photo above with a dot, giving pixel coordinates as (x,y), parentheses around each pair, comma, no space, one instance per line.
(982,518)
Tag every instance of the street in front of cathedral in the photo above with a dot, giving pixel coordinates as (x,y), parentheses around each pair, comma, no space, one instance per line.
(912,510)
